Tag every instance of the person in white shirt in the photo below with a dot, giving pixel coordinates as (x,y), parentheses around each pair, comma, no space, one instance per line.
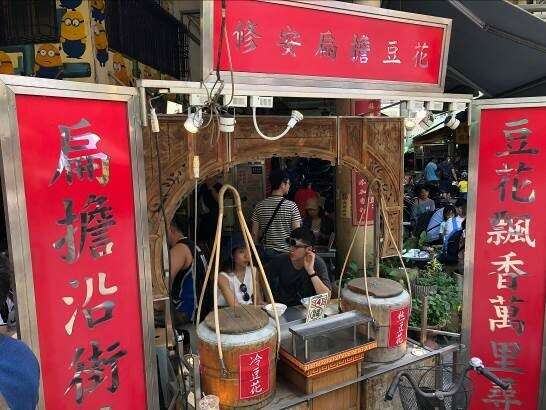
(235,279)
(454,223)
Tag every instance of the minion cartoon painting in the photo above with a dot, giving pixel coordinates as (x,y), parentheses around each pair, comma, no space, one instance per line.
(6,65)
(73,34)
(101,44)
(48,62)
(70,4)
(97,10)
(120,69)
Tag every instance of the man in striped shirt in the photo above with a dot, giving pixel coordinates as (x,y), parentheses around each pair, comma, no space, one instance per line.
(272,229)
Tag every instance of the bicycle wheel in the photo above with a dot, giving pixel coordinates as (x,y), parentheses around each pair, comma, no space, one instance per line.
(434,379)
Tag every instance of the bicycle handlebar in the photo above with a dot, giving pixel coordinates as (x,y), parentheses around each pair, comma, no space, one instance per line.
(493,377)
(392,388)
(474,364)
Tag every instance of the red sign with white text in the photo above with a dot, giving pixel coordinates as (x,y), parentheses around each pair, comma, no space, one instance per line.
(398,330)
(79,198)
(254,373)
(509,269)
(359,189)
(295,39)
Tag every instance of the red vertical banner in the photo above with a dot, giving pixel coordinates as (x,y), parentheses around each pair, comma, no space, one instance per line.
(370,108)
(254,374)
(78,185)
(359,187)
(398,330)
(507,316)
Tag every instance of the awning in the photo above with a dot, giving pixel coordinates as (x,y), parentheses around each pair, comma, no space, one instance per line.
(496,47)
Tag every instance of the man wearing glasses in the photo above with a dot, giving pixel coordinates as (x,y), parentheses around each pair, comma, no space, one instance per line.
(300,273)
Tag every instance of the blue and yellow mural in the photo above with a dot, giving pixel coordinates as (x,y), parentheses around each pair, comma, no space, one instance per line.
(48,62)
(73,34)
(70,4)
(101,43)
(82,53)
(6,65)
(98,8)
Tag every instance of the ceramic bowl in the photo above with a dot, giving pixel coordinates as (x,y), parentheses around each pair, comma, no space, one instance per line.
(279,307)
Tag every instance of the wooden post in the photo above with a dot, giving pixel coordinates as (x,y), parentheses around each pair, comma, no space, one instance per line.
(424,319)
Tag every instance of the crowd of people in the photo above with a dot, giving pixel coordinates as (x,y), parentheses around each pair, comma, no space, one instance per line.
(286,232)
(438,210)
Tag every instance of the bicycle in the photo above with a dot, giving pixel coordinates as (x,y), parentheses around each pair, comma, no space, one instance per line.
(436,388)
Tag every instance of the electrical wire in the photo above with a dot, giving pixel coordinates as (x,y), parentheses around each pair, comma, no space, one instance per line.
(349,251)
(164,216)
(194,261)
(386,223)
(230,67)
(364,253)
(168,274)
(222,28)
(265,137)
(214,95)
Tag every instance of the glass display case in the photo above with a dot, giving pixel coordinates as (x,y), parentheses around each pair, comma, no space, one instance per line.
(325,337)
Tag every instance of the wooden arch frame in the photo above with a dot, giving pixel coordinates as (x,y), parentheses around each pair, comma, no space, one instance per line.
(370,145)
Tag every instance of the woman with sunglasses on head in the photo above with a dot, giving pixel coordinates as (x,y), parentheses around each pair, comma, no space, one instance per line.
(235,279)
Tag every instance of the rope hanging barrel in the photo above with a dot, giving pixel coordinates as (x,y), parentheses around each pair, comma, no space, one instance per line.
(214,266)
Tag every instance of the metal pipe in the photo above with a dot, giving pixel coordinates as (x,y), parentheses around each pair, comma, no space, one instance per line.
(143,108)
(376,230)
(435,331)
(192,87)
(533,8)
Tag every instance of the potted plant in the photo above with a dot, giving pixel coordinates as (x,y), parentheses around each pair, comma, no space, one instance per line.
(426,283)
(444,303)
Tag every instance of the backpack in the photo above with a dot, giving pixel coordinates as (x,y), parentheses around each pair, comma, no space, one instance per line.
(450,251)
(422,222)
(187,285)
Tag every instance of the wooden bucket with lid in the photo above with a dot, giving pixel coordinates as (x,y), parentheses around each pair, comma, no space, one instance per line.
(390,304)
(249,342)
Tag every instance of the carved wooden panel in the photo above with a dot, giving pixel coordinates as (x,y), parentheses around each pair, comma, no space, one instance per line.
(312,137)
(351,140)
(372,146)
(383,144)
(174,151)
(394,217)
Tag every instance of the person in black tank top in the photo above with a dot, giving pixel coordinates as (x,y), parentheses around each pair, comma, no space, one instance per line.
(186,285)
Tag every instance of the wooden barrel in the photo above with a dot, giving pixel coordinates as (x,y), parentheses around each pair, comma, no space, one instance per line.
(249,342)
(390,304)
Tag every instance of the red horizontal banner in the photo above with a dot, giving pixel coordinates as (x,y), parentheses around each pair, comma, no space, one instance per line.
(295,39)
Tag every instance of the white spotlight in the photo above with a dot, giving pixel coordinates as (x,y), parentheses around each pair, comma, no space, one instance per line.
(295,117)
(428,120)
(154,123)
(227,122)
(409,123)
(194,121)
(452,122)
